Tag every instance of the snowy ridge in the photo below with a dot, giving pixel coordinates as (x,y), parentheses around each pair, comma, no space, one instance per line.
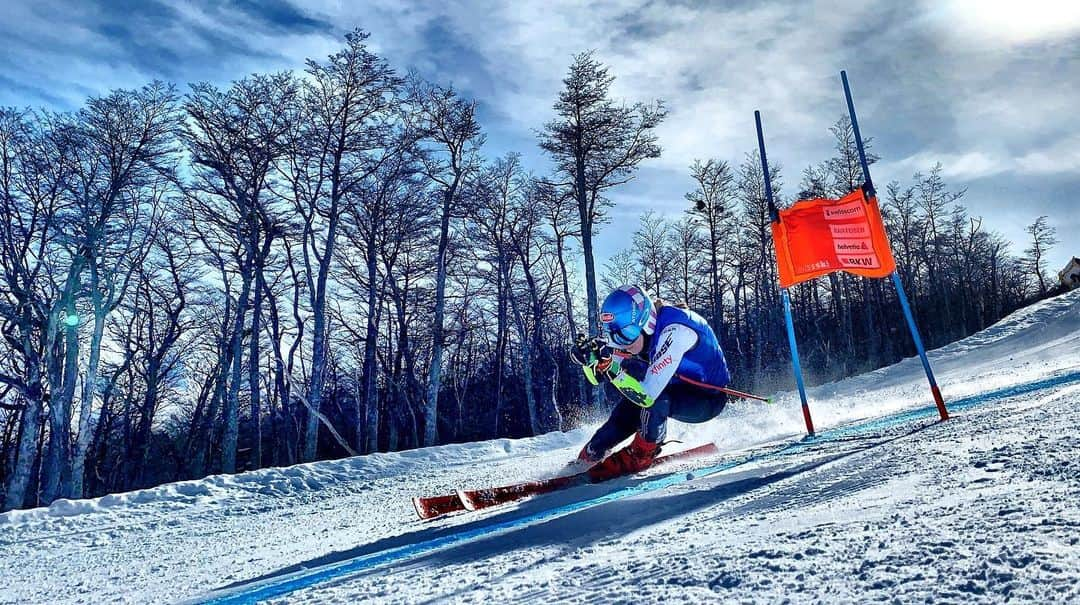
(1027,344)
(310,477)
(819,511)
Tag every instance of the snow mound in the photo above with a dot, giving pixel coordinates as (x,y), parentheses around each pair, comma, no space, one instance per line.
(302,478)
(1041,323)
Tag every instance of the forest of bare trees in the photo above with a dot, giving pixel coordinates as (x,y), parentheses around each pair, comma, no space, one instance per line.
(308,265)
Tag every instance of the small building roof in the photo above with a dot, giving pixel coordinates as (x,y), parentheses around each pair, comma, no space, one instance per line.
(1071,266)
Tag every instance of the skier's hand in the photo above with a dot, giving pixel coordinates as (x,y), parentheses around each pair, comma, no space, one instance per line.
(581,351)
(587,351)
(593,355)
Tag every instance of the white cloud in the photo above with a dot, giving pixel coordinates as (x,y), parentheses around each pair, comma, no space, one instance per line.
(74,54)
(966,166)
(714,65)
(1060,158)
(997,22)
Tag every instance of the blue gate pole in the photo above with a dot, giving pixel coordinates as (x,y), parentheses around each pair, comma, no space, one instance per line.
(795,360)
(774,214)
(858,136)
(942,411)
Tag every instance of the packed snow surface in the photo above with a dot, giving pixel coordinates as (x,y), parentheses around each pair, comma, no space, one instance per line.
(980,508)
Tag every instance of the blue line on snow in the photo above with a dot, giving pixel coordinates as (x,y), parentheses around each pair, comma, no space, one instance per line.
(288,583)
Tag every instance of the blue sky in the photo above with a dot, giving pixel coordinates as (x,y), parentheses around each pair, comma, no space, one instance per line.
(988,88)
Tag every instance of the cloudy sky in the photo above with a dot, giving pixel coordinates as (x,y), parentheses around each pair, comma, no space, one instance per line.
(990,89)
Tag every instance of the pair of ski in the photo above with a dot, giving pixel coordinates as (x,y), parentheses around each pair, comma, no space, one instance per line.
(470,500)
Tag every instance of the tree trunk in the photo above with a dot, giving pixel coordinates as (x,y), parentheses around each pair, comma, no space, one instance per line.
(371,395)
(57,471)
(19,480)
(501,329)
(539,346)
(140,451)
(578,377)
(318,311)
(526,367)
(281,413)
(593,306)
(232,401)
(318,379)
(82,443)
(431,407)
(714,281)
(253,370)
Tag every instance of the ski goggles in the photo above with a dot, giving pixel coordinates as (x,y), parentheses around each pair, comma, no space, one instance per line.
(622,337)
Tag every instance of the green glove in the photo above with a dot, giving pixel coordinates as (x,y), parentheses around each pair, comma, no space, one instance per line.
(594,357)
(597,361)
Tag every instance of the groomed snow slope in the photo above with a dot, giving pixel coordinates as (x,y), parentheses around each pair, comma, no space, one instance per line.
(980,508)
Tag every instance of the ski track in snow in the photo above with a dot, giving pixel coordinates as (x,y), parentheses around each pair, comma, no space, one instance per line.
(980,508)
(891,519)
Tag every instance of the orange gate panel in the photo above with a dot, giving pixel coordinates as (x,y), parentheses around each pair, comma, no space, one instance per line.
(817,237)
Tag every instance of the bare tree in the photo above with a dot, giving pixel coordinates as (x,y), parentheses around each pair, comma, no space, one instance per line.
(158,310)
(540,268)
(346,130)
(559,209)
(119,144)
(493,198)
(711,204)
(756,249)
(691,262)
(1043,237)
(448,126)
(652,249)
(35,175)
(621,268)
(408,236)
(934,199)
(123,169)
(597,144)
(373,211)
(234,138)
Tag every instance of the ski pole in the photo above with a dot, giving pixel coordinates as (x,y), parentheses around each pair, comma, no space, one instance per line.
(743,395)
(727,390)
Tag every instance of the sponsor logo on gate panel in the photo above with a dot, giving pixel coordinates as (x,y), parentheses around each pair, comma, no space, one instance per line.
(844,211)
(853,246)
(862,261)
(815,266)
(856,230)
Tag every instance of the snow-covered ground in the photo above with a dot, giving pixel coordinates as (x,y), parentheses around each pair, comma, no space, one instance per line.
(983,507)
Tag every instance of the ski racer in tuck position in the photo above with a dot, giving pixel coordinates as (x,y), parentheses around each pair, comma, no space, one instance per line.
(665,361)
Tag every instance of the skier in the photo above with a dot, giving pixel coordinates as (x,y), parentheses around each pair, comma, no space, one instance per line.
(665,361)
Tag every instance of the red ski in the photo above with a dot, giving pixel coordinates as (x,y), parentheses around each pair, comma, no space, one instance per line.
(434,506)
(494,496)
